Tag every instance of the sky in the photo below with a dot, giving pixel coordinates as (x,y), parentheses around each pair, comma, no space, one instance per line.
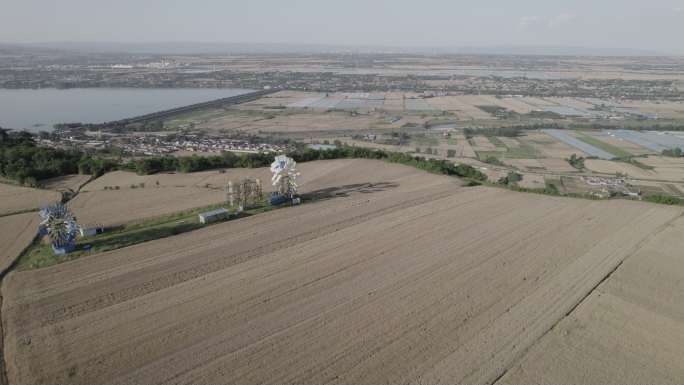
(656,25)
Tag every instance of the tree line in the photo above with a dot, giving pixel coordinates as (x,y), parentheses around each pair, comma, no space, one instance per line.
(22,160)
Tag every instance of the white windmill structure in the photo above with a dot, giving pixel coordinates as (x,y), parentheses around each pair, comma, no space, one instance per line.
(60,226)
(284,180)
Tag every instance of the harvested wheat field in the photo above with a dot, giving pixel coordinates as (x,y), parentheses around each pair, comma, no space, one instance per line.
(463,148)
(150,196)
(611,167)
(400,277)
(549,147)
(532,181)
(167,193)
(628,331)
(526,164)
(557,165)
(66,183)
(481,143)
(14,199)
(16,234)
(666,167)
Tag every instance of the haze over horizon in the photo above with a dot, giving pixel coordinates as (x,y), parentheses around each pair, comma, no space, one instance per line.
(651,27)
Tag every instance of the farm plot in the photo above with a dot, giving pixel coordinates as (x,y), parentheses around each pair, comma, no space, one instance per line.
(280,99)
(665,167)
(16,233)
(404,278)
(512,103)
(311,121)
(629,331)
(394,101)
(526,164)
(624,145)
(549,147)
(534,181)
(15,199)
(557,165)
(463,108)
(481,143)
(610,167)
(663,109)
(654,141)
(66,183)
(579,144)
(141,197)
(571,102)
(469,104)
(463,148)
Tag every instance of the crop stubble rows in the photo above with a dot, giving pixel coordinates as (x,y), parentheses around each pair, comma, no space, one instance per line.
(421,281)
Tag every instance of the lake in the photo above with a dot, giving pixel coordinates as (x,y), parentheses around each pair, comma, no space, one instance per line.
(37,110)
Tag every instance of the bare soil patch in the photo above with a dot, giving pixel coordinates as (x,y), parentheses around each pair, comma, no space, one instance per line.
(16,233)
(399,277)
(15,199)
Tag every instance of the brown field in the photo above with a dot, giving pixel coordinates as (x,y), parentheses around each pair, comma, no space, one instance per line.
(15,199)
(557,165)
(394,101)
(463,148)
(114,208)
(666,167)
(176,192)
(379,146)
(629,331)
(509,142)
(493,174)
(611,167)
(66,183)
(459,105)
(532,181)
(278,99)
(481,143)
(540,103)
(179,192)
(571,102)
(16,233)
(289,122)
(549,146)
(664,109)
(526,164)
(404,278)
(514,104)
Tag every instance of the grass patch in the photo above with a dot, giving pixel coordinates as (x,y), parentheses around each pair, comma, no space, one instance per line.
(40,254)
(636,163)
(523,151)
(496,141)
(424,140)
(664,200)
(616,151)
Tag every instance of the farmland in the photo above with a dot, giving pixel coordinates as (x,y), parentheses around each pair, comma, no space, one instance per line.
(630,330)
(16,234)
(17,199)
(152,196)
(399,276)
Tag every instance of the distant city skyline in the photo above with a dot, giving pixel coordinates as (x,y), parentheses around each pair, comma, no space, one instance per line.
(654,26)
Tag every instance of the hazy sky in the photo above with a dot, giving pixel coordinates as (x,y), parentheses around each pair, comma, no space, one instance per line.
(642,24)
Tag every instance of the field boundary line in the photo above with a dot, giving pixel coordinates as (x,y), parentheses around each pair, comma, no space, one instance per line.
(638,246)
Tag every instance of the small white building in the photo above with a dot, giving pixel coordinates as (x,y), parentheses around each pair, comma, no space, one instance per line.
(214,216)
(89,231)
